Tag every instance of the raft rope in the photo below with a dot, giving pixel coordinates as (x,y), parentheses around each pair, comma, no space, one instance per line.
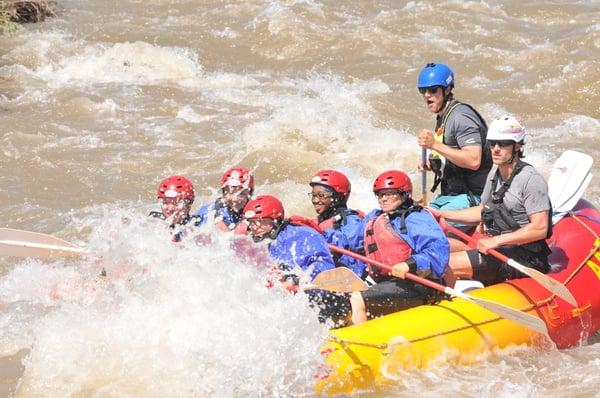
(592,251)
(385,346)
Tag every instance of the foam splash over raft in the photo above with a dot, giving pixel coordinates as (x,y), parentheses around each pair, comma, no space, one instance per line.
(176,321)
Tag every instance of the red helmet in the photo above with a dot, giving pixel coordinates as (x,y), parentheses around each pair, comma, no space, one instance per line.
(237,177)
(394,179)
(176,187)
(264,206)
(334,180)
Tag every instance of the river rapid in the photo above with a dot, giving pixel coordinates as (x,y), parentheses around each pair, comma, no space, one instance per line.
(100,103)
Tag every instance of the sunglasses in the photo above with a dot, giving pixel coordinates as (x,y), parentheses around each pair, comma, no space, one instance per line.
(388,194)
(501,143)
(319,195)
(431,90)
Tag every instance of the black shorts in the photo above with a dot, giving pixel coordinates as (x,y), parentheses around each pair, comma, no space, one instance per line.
(394,295)
(489,270)
(333,309)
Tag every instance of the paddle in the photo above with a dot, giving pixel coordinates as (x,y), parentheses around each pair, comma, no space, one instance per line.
(17,243)
(504,311)
(340,279)
(549,283)
(424,176)
(570,177)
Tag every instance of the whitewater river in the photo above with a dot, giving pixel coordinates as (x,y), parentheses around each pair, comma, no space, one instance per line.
(100,103)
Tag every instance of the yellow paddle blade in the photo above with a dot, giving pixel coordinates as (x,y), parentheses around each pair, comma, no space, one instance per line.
(339,279)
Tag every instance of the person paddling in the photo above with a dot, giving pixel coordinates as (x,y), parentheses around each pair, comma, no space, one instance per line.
(515,212)
(458,156)
(176,194)
(237,187)
(401,234)
(299,252)
(340,225)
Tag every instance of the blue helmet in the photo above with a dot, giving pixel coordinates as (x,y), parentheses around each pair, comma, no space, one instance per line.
(436,75)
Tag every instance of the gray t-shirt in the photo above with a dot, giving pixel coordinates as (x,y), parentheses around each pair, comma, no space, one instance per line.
(464,128)
(527,194)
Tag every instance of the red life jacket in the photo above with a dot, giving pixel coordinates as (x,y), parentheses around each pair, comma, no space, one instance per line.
(382,243)
(339,218)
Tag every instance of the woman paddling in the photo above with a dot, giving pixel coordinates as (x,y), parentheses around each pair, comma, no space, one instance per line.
(403,235)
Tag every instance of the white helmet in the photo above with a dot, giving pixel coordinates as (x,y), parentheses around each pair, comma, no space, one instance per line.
(506,127)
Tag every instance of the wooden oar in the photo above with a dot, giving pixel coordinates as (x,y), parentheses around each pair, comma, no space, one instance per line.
(340,279)
(549,283)
(17,243)
(504,311)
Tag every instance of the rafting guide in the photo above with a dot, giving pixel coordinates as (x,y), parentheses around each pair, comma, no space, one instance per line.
(458,155)
(515,211)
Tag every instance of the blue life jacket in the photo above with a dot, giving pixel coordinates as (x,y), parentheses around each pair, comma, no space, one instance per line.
(218,212)
(302,247)
(345,230)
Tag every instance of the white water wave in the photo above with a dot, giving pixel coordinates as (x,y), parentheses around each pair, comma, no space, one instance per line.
(168,320)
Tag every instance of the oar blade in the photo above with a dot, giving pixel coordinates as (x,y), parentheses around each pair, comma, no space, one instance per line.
(504,311)
(340,279)
(568,180)
(549,283)
(25,249)
(18,243)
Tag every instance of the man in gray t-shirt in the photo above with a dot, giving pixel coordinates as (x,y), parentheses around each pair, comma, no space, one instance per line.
(458,156)
(526,195)
(515,211)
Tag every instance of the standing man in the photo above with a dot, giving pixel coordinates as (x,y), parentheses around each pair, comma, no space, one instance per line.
(515,211)
(458,155)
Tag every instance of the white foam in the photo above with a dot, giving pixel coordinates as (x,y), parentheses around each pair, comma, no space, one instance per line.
(189,115)
(132,63)
(326,117)
(170,320)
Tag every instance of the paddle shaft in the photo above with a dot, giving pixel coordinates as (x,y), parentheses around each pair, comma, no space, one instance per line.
(552,285)
(413,277)
(424,175)
(470,239)
(500,309)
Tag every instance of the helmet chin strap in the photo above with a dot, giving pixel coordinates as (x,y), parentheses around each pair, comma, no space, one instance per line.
(272,234)
(513,155)
(447,98)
